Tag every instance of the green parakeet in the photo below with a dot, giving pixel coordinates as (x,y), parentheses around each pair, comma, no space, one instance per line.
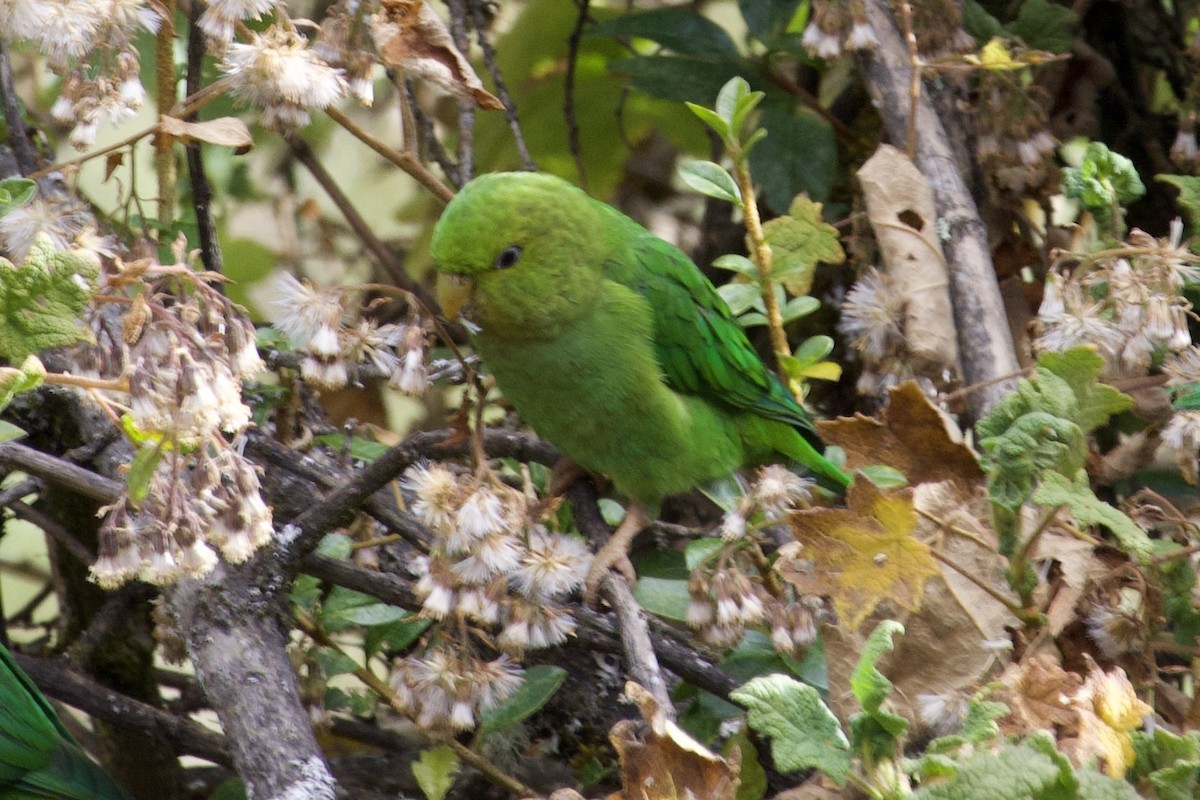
(38,756)
(612,344)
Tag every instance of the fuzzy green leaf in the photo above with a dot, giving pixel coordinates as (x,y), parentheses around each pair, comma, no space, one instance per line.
(1189,194)
(1015,772)
(869,685)
(1104,181)
(1058,490)
(804,732)
(15,380)
(42,301)
(710,179)
(540,684)
(435,771)
(1080,368)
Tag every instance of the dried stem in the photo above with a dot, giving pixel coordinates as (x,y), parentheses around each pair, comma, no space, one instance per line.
(404,160)
(164,146)
(761,254)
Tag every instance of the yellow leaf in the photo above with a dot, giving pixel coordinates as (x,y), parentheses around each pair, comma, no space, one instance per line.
(822,371)
(995,55)
(860,555)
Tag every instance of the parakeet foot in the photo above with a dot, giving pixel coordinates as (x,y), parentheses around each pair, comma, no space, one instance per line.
(615,554)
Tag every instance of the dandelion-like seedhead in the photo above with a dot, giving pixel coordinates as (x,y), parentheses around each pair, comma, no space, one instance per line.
(335,339)
(1128,304)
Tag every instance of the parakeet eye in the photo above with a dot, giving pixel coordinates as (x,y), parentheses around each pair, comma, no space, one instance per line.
(508,257)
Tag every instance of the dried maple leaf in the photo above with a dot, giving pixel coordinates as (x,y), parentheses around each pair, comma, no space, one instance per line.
(668,764)
(411,37)
(860,555)
(912,436)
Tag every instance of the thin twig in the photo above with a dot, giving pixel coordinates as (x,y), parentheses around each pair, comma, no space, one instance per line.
(489,60)
(164,146)
(404,161)
(636,642)
(202,196)
(466,106)
(569,93)
(54,530)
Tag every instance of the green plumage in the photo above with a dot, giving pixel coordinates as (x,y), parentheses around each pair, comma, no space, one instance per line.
(39,759)
(611,343)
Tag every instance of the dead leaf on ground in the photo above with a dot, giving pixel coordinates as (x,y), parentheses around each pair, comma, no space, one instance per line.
(411,37)
(904,219)
(860,555)
(668,764)
(943,652)
(224,131)
(912,436)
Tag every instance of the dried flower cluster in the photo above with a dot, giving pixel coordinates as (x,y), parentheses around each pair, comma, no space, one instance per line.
(727,591)
(185,351)
(334,340)
(1126,302)
(90,44)
(836,25)
(492,567)
(1014,145)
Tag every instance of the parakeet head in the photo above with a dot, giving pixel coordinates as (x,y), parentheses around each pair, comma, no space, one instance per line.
(524,249)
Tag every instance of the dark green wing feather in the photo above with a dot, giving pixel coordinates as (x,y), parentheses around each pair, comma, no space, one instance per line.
(38,756)
(701,348)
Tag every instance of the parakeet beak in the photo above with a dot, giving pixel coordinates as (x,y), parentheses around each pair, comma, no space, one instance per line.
(453,292)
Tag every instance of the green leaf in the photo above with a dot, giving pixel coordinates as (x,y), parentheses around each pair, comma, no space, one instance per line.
(1014,771)
(767,19)
(341,605)
(1058,490)
(711,119)
(699,551)
(798,155)
(334,662)
(980,726)
(1189,194)
(813,349)
(395,636)
(679,29)
(9,432)
(739,296)
(869,685)
(541,682)
(731,96)
(710,179)
(799,241)
(666,597)
(677,78)
(1177,782)
(1043,25)
(15,192)
(335,545)
(1186,396)
(884,477)
(15,380)
(435,771)
(804,732)
(360,449)
(1098,786)
(141,470)
(1104,181)
(979,23)
(42,301)
(1080,368)
(376,614)
(738,264)
(799,307)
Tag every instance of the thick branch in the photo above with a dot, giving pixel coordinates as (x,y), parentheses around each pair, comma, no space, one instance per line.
(984,340)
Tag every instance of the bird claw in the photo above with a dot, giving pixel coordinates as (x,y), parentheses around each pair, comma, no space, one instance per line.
(601,564)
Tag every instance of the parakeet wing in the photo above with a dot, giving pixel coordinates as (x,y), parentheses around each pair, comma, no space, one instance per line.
(701,348)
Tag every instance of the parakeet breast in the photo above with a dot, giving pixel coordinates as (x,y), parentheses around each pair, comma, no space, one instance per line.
(596,392)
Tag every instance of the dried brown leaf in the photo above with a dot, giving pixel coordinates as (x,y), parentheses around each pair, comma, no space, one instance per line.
(411,37)
(223,131)
(912,436)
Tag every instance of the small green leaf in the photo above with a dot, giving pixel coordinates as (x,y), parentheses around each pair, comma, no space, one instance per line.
(435,771)
(395,636)
(739,296)
(711,180)
(10,432)
(1103,182)
(15,380)
(798,307)
(869,685)
(813,349)
(1043,25)
(376,614)
(359,448)
(799,241)
(334,662)
(730,97)
(752,319)
(540,684)
(710,118)
(804,732)
(699,551)
(141,469)
(739,264)
(1015,771)
(337,546)
(745,104)
(665,597)
(884,477)
(15,192)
